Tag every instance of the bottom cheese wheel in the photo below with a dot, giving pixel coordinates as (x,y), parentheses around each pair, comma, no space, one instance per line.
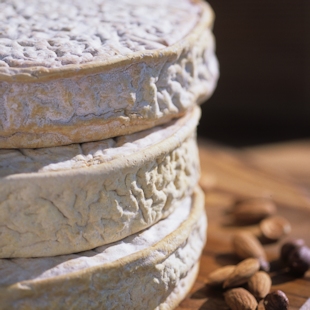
(153,269)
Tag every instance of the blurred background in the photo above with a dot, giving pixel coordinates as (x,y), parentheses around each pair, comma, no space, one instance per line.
(263,94)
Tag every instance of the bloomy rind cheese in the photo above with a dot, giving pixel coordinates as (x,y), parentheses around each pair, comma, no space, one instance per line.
(148,279)
(63,212)
(59,33)
(42,107)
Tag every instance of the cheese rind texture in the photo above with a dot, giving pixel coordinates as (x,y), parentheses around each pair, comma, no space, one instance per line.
(68,208)
(58,33)
(60,104)
(150,278)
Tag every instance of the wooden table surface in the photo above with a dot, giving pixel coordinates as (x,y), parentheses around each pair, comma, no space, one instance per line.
(280,172)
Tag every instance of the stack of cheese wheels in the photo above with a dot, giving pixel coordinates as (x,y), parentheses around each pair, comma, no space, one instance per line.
(99,204)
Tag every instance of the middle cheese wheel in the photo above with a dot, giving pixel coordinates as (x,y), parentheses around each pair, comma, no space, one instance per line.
(68,199)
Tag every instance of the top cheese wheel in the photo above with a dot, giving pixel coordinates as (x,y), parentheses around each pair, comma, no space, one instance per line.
(80,71)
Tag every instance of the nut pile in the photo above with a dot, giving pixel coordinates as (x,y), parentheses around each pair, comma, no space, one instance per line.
(247,285)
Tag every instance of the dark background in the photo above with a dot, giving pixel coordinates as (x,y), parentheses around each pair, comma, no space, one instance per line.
(263,94)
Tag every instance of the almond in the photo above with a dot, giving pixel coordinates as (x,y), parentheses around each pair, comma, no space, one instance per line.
(218,276)
(259,284)
(240,299)
(242,272)
(253,210)
(275,227)
(246,245)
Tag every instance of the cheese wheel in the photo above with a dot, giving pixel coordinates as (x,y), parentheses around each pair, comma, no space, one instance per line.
(153,269)
(68,199)
(80,71)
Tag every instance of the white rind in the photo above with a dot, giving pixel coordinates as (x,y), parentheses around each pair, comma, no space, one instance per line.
(49,213)
(91,154)
(42,107)
(157,277)
(58,33)
(181,290)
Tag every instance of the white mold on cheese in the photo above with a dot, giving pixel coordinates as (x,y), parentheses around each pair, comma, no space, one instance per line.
(74,198)
(101,68)
(150,270)
(57,33)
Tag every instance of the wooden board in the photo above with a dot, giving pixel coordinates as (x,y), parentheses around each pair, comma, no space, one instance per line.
(228,175)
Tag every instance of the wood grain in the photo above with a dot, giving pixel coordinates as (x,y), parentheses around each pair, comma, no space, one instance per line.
(229,175)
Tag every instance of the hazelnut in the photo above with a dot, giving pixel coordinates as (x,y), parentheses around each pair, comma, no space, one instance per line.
(288,247)
(276,300)
(299,260)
